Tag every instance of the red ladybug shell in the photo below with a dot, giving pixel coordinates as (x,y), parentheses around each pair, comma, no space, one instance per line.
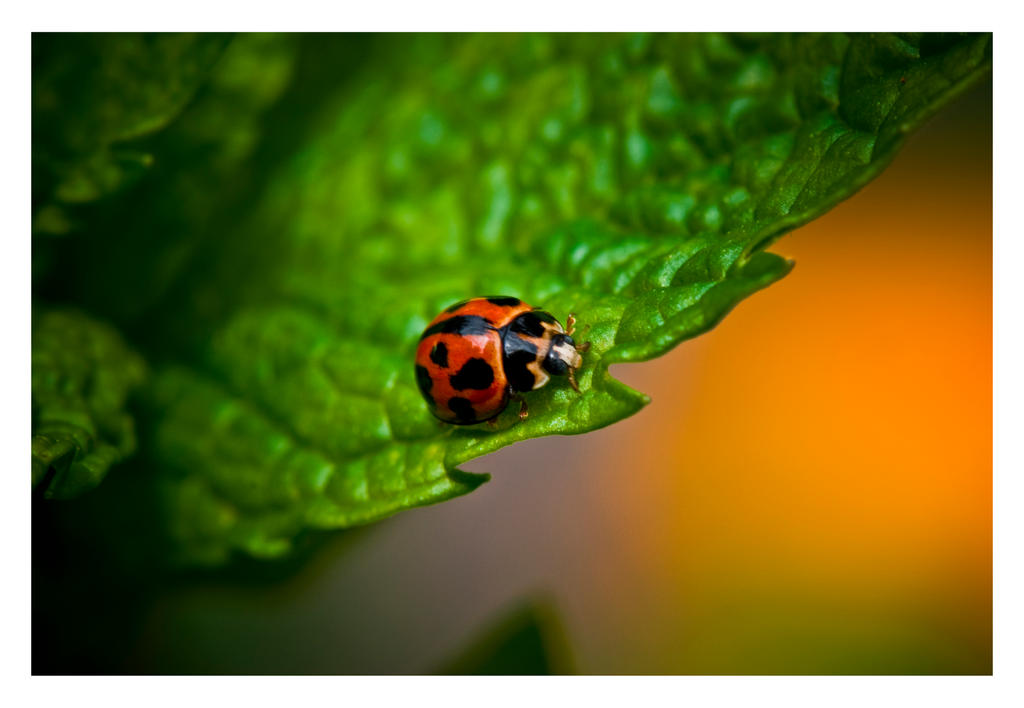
(459,360)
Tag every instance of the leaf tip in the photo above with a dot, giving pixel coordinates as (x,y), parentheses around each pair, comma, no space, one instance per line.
(469,480)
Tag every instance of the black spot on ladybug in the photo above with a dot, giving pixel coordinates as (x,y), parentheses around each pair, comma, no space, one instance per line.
(439,355)
(514,342)
(528,323)
(475,373)
(501,301)
(453,308)
(423,379)
(462,409)
(460,324)
(519,353)
(520,377)
(545,316)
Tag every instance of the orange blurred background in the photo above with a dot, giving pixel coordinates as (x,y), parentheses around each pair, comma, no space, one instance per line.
(813,480)
(810,490)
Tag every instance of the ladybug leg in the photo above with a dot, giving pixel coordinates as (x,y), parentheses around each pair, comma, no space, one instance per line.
(524,411)
(492,424)
(583,348)
(570,325)
(572,380)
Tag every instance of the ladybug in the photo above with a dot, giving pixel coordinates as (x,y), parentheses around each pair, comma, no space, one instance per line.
(476,354)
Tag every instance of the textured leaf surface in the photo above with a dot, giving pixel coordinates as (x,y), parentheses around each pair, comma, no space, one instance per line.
(632,180)
(82,374)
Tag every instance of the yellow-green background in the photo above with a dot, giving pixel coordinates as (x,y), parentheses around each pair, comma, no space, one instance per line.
(808,492)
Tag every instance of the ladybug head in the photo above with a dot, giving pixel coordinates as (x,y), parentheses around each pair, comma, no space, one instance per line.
(562,355)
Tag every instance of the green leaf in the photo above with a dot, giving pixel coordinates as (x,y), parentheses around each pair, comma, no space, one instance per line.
(630,180)
(144,238)
(92,94)
(82,375)
(528,641)
(634,180)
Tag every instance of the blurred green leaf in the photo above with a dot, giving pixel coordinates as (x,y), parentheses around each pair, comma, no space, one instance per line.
(82,374)
(206,163)
(631,179)
(91,95)
(528,641)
